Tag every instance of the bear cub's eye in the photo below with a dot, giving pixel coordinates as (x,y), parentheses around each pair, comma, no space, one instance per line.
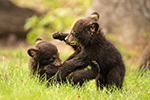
(74,34)
(52,59)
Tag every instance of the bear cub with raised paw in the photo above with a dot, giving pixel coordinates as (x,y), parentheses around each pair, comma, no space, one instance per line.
(87,35)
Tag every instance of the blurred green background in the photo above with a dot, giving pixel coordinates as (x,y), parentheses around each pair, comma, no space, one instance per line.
(57,15)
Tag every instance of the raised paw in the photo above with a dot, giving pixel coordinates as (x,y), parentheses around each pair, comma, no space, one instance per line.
(56,35)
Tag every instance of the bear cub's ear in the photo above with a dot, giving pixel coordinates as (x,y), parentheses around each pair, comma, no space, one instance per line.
(94,27)
(32,52)
(95,16)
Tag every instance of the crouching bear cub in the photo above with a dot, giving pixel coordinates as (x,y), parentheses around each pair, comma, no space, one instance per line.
(86,33)
(44,59)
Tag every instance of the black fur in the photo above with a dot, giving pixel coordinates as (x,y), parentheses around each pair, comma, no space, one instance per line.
(86,34)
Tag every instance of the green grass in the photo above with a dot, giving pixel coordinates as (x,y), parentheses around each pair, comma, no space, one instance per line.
(15,83)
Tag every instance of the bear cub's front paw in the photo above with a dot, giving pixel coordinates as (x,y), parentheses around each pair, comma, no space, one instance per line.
(56,35)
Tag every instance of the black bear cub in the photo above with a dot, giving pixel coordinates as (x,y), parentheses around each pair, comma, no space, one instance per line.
(44,59)
(86,33)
